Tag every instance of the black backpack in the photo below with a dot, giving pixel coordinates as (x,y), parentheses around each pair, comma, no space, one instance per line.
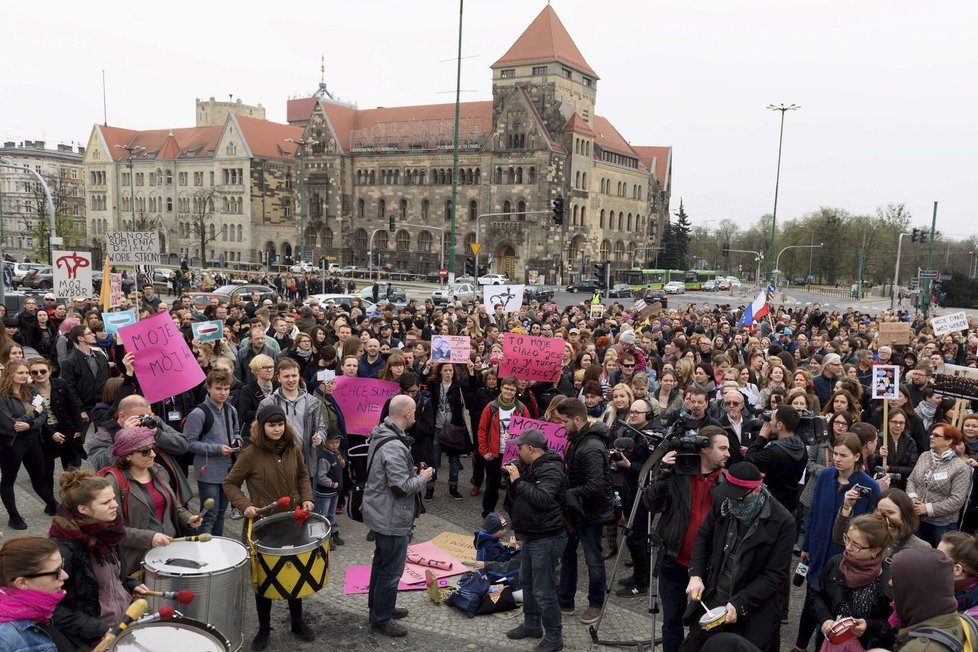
(943,638)
(355,507)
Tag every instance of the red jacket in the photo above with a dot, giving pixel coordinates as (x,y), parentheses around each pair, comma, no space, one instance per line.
(489,427)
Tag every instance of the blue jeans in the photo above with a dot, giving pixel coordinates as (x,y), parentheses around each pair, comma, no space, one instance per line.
(589,536)
(538,563)
(931,532)
(214,518)
(326,505)
(673,579)
(390,553)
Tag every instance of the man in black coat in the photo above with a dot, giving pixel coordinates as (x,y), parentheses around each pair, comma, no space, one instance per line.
(85,371)
(589,506)
(740,561)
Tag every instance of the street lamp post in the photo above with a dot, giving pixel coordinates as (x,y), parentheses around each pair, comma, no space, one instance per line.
(777,179)
(896,272)
(130,150)
(6,163)
(300,154)
(777,262)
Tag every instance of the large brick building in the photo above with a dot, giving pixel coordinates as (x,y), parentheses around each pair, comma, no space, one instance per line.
(539,138)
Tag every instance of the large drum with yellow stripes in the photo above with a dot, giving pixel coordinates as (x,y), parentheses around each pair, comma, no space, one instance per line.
(289,560)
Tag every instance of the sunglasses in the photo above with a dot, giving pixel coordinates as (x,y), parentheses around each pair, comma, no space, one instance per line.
(39,372)
(55,573)
(146,452)
(628,366)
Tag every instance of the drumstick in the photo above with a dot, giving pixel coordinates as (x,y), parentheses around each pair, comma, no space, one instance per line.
(133,613)
(202,538)
(207,505)
(165,613)
(281,502)
(184,596)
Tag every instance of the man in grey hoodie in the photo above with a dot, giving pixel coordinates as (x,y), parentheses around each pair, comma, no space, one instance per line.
(391,496)
(301,411)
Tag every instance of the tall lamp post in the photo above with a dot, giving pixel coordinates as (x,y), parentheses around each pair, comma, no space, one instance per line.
(300,154)
(130,150)
(777,179)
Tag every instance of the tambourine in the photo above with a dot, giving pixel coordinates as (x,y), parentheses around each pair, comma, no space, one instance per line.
(713,618)
(841,631)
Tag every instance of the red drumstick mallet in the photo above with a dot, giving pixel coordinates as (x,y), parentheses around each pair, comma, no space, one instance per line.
(300,515)
(165,613)
(183,596)
(284,501)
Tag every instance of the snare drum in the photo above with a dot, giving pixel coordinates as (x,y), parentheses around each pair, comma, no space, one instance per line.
(216,570)
(289,560)
(181,635)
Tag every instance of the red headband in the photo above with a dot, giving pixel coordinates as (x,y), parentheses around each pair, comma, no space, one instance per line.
(748,484)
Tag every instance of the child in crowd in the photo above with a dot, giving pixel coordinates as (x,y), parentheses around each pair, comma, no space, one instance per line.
(329,482)
(500,561)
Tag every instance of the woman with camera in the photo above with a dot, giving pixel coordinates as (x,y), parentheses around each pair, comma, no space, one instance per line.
(897,507)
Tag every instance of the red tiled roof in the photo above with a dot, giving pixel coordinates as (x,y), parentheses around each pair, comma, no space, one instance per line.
(298,110)
(545,40)
(267,139)
(577,123)
(170,148)
(607,137)
(199,140)
(658,160)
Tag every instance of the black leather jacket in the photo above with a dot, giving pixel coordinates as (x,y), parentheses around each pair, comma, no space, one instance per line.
(535,502)
(589,473)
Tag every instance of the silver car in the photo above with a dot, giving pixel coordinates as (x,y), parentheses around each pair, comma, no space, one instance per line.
(453,293)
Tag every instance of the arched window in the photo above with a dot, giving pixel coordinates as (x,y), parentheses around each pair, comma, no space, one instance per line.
(360,240)
(328,237)
(621,220)
(360,206)
(424,209)
(424,242)
(169,205)
(601,219)
(605,250)
(381,241)
(382,209)
(224,232)
(519,175)
(574,218)
(511,176)
(403,241)
(629,223)
(210,232)
(577,179)
(619,250)
(583,219)
(473,210)
(448,210)
(521,210)
(531,177)
(240,233)
(499,176)
(584,180)
(507,208)
(402,209)
(478,176)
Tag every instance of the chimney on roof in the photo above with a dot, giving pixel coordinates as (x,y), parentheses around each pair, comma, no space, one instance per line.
(9,143)
(81,149)
(64,148)
(39,144)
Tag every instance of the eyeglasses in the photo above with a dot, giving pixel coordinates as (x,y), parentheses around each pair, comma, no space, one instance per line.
(271,368)
(731,404)
(55,573)
(847,541)
(898,422)
(39,372)
(146,452)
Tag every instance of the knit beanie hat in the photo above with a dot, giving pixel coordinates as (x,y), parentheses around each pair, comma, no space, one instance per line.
(494,523)
(268,413)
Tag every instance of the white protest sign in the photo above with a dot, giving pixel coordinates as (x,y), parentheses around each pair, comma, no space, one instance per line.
(133,247)
(510,296)
(72,271)
(956,321)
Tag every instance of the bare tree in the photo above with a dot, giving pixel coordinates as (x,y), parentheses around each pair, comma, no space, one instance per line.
(37,221)
(201,226)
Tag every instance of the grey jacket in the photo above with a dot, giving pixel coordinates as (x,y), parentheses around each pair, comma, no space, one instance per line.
(305,417)
(390,494)
(209,464)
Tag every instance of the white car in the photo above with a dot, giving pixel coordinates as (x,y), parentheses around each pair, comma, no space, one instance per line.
(675,287)
(303,268)
(453,293)
(493,279)
(735,283)
(345,300)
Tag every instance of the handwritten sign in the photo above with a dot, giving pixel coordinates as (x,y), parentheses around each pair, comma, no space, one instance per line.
(451,348)
(886,381)
(116,320)
(72,273)
(956,321)
(531,358)
(115,290)
(208,331)
(510,296)
(133,247)
(362,400)
(894,332)
(164,364)
(554,432)
(457,545)
(415,573)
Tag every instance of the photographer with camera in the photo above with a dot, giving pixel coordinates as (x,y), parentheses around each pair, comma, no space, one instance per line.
(628,456)
(684,500)
(780,455)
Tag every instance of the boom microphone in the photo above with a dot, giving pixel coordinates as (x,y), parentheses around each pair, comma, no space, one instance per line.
(183,596)
(134,612)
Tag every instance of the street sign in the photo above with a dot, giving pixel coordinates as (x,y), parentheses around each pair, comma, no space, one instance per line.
(475,248)
(443,273)
(927,273)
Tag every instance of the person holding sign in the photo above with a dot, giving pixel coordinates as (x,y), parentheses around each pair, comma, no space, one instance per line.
(450,431)
(493,431)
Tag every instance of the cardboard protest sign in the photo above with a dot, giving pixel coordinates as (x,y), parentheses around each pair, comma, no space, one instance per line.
(554,432)
(894,332)
(133,247)
(451,348)
(164,364)
(208,331)
(116,320)
(639,305)
(886,381)
(414,573)
(357,581)
(362,400)
(457,545)
(956,321)
(511,296)
(115,289)
(957,381)
(72,272)
(531,358)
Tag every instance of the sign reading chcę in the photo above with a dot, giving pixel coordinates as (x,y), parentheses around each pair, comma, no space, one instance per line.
(72,274)
(133,247)
(362,400)
(451,348)
(956,321)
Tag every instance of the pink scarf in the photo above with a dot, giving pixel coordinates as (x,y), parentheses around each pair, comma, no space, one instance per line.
(27,604)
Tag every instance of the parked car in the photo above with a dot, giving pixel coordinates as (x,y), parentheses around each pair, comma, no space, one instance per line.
(39,279)
(710,286)
(587,285)
(346,270)
(675,287)
(650,296)
(723,284)
(242,293)
(620,290)
(19,270)
(433,276)
(456,292)
(396,294)
(539,293)
(493,279)
(345,300)
(361,272)
(735,283)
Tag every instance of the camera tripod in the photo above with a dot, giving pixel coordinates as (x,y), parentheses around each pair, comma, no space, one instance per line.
(653,544)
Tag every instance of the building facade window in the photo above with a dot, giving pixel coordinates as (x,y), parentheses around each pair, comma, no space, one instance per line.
(539,70)
(509,73)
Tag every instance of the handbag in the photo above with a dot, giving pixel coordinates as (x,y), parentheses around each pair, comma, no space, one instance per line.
(452,436)
(472,587)
(355,507)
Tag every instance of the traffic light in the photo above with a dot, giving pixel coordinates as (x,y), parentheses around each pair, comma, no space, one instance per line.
(726,249)
(915,235)
(483,270)
(391,226)
(559,210)
(599,272)
(469,264)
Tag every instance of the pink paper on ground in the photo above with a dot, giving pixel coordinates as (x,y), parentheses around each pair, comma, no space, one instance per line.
(357,581)
(413,574)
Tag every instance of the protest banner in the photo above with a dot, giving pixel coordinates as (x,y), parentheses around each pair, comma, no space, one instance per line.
(532,358)
(957,381)
(886,381)
(639,305)
(164,364)
(511,296)
(115,290)
(208,331)
(457,545)
(133,247)
(451,348)
(116,320)
(554,432)
(894,332)
(956,321)
(362,400)
(597,310)
(72,272)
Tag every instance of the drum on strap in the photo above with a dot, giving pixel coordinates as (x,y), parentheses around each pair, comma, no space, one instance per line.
(216,570)
(180,635)
(288,559)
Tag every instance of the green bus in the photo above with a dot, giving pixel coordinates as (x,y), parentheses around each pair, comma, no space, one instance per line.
(656,278)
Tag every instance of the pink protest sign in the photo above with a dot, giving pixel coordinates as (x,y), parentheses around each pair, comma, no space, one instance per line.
(362,400)
(414,573)
(451,348)
(554,432)
(357,580)
(163,362)
(531,358)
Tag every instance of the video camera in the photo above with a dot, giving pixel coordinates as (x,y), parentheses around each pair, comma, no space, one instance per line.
(687,442)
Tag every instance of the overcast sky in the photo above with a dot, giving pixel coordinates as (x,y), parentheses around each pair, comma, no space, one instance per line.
(887,89)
